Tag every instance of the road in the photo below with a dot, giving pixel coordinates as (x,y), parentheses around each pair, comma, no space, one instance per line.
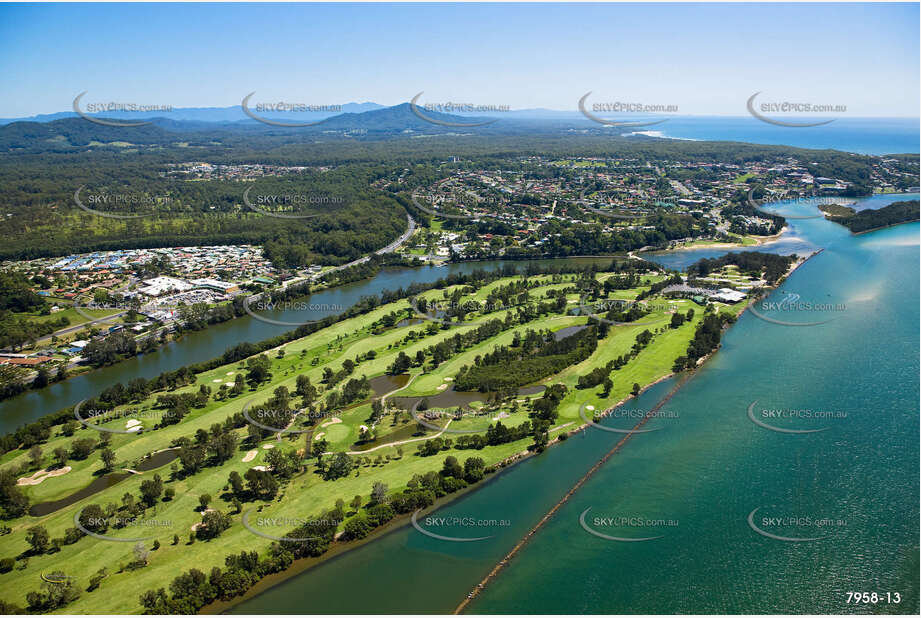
(71,329)
(410,228)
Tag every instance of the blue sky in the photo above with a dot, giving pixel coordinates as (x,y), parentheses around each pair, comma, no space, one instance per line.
(706,59)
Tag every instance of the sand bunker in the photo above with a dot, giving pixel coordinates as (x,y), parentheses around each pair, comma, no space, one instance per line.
(41,475)
(260,468)
(132,423)
(268,446)
(217,380)
(589,408)
(319,435)
(229,373)
(250,455)
(442,387)
(331,421)
(449,379)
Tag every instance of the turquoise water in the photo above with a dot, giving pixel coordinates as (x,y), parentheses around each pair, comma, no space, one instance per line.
(704,472)
(875,136)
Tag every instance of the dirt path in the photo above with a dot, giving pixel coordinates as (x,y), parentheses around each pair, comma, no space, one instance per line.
(398,443)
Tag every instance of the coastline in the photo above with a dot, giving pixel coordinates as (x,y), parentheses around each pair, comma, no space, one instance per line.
(715,244)
(883,227)
(339,549)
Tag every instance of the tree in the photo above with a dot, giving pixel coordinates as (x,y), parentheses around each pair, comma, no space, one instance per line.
(140,554)
(38,539)
(474,469)
(94,519)
(236,483)
(378,493)
(356,503)
(42,378)
(60,456)
(636,389)
(97,578)
(339,465)
(35,456)
(203,500)
(108,459)
(212,525)
(452,468)
(261,483)
(151,490)
(319,447)
(81,449)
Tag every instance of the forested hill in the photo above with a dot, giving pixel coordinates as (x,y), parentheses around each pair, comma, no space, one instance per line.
(871,219)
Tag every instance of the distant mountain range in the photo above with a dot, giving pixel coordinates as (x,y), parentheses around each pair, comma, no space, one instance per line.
(200,126)
(234,114)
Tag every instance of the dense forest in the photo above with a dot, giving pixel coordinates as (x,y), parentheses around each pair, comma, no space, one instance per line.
(751,263)
(871,219)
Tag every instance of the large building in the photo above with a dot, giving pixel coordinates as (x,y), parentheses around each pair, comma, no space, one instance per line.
(162,285)
(214,284)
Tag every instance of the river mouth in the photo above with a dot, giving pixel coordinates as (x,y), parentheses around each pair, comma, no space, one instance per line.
(157,460)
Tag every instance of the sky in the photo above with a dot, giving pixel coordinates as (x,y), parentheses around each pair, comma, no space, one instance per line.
(702,58)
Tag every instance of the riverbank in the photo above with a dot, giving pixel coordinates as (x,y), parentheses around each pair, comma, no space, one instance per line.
(756,241)
(884,227)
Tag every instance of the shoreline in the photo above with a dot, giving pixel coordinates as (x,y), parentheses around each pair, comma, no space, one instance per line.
(883,227)
(305,564)
(715,244)
(339,549)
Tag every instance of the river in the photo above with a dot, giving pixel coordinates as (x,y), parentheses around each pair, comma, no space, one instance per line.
(696,481)
(195,347)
